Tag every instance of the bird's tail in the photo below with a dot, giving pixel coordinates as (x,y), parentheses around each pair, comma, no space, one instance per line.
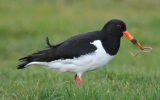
(25,60)
(35,57)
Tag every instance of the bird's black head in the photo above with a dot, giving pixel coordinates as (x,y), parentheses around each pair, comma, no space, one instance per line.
(114,27)
(117,28)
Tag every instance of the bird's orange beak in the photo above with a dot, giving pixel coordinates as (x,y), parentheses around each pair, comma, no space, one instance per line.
(132,39)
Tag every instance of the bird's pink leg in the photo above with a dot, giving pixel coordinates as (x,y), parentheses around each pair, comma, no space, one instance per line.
(77,80)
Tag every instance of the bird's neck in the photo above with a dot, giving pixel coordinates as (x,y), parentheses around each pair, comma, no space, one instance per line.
(111,44)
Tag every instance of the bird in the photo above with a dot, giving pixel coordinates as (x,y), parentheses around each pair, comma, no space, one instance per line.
(83,52)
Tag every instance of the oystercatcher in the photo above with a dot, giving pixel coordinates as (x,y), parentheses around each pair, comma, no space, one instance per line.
(82,53)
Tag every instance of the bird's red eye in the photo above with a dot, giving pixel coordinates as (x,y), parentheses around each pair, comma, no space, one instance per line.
(118,25)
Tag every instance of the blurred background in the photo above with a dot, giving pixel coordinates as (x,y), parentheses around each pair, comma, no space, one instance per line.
(24,25)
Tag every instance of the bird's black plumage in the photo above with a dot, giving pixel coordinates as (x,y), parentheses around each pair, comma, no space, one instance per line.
(80,45)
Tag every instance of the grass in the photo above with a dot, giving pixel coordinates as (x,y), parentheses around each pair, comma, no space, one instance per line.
(25,24)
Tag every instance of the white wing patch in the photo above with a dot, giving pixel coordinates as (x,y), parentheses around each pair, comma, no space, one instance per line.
(88,62)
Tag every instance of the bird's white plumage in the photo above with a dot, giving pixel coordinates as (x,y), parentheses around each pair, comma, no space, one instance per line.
(84,63)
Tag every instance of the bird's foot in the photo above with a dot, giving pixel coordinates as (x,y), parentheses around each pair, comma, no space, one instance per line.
(77,80)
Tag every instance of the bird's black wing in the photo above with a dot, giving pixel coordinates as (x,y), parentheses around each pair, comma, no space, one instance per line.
(72,47)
